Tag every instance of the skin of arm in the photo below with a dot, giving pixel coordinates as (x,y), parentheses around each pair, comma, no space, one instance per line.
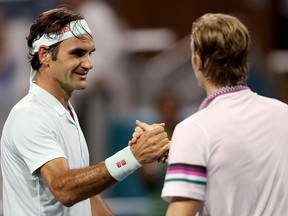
(70,186)
(99,207)
(183,207)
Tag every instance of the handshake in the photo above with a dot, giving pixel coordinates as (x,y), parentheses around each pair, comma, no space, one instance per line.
(149,143)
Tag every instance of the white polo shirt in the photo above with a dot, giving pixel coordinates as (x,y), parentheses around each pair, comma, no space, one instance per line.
(39,129)
(233,156)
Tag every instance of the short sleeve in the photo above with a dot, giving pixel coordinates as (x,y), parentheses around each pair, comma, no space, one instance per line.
(186,174)
(35,139)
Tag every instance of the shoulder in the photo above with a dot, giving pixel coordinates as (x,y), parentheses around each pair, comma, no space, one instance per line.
(192,120)
(192,124)
(272,104)
(272,101)
(29,115)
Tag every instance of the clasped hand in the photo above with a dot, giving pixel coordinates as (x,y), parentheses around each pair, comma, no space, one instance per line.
(149,143)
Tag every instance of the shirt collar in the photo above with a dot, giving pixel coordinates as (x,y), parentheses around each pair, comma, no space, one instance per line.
(47,98)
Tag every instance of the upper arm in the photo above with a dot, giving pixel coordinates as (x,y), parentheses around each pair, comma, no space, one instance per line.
(183,207)
(55,173)
(186,175)
(53,170)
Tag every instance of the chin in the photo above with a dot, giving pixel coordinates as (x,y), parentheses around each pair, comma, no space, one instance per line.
(80,87)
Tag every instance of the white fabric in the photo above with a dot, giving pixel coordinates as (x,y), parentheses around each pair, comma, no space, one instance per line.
(242,140)
(39,129)
(122,164)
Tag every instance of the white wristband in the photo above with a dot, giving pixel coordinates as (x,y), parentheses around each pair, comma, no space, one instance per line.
(122,164)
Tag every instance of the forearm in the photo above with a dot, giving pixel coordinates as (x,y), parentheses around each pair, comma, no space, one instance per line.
(72,186)
(99,207)
(85,183)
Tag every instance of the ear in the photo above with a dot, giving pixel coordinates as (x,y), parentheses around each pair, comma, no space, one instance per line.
(198,62)
(44,55)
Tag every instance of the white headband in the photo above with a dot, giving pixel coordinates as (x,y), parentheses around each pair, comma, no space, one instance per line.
(74,28)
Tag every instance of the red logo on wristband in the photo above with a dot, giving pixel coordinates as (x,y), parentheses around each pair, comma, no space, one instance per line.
(121,163)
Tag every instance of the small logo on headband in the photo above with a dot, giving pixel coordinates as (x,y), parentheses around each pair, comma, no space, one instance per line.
(64,30)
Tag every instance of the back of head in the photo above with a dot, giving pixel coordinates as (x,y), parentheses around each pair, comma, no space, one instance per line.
(223,43)
(49,23)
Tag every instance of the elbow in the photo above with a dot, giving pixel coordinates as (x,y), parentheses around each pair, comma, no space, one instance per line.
(68,204)
(66,199)
(65,196)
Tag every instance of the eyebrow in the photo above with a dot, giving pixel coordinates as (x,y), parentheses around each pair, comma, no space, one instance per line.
(80,50)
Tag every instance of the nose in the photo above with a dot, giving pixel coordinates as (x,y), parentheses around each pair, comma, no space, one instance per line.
(87,63)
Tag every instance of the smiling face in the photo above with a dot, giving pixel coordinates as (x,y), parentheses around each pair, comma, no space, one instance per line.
(66,71)
(69,71)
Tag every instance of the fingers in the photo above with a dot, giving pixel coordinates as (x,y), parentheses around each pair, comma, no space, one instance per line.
(159,124)
(135,136)
(164,158)
(151,145)
(132,141)
(148,127)
(144,126)
(138,131)
(165,146)
(164,153)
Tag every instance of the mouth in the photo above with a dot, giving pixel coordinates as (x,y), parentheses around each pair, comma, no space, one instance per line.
(81,75)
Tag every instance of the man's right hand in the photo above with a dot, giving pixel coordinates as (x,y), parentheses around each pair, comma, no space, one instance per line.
(151,143)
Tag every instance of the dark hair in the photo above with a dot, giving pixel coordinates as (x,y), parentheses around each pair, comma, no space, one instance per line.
(223,43)
(49,22)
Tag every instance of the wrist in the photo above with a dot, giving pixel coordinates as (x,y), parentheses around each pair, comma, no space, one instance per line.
(122,164)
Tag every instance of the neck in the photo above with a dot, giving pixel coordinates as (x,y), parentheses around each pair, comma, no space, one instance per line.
(58,92)
(212,93)
(210,89)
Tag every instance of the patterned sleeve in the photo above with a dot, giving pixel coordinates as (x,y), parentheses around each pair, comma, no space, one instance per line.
(186,174)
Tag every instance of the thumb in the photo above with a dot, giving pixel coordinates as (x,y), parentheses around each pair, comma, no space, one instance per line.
(144,126)
(160,124)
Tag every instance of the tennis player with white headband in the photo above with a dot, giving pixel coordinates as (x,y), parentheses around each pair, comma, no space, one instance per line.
(44,155)
(72,29)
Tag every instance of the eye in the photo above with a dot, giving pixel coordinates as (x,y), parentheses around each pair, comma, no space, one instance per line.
(92,52)
(78,52)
